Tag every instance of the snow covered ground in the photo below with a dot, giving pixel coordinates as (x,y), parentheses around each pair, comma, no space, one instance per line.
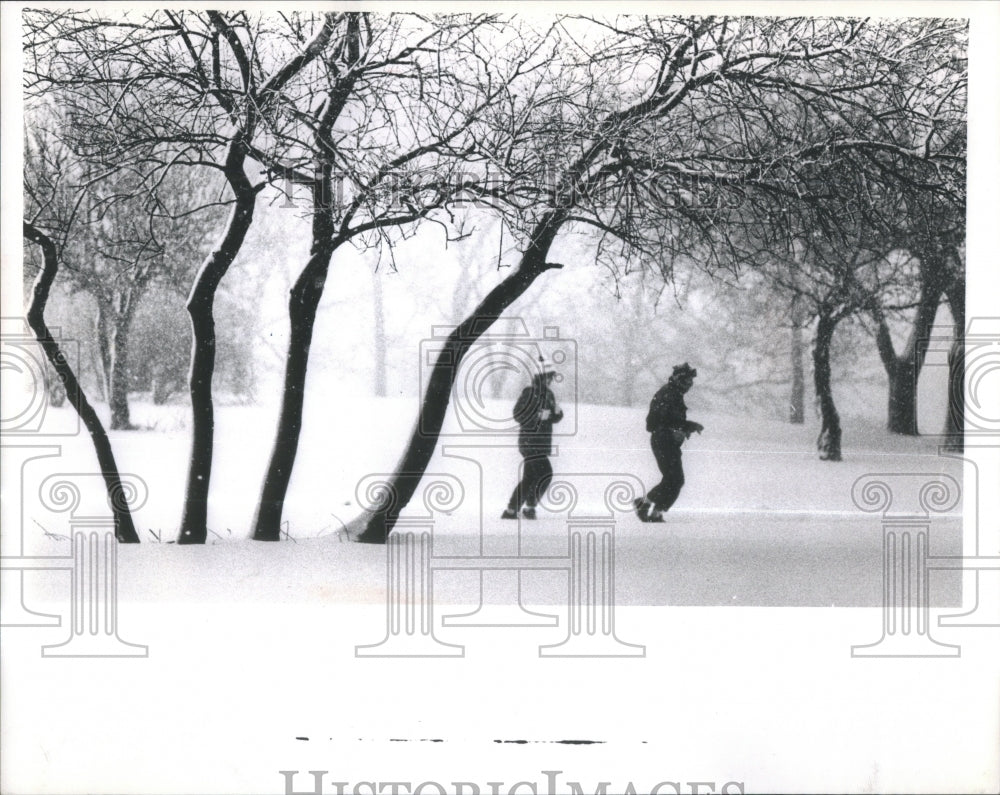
(252,665)
(761,520)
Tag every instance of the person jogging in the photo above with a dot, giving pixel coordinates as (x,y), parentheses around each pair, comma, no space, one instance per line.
(669,427)
(535,412)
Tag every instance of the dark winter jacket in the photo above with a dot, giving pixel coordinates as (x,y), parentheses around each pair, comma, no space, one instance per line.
(535,436)
(667,416)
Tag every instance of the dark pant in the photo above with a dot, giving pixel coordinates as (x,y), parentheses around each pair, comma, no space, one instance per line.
(668,459)
(534,482)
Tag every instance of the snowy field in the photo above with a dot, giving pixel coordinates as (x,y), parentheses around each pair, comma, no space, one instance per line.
(761,521)
(251,665)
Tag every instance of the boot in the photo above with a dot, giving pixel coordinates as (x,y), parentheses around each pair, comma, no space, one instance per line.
(641,509)
(528,512)
(655,514)
(509,513)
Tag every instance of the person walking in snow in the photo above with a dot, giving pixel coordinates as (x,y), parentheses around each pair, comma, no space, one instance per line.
(535,412)
(668,426)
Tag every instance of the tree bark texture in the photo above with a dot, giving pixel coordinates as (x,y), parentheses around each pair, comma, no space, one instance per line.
(434,406)
(124,527)
(828,442)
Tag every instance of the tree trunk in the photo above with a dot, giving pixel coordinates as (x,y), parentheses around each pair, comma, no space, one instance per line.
(796,406)
(98,367)
(955,417)
(162,388)
(117,498)
(103,334)
(423,439)
(913,355)
(828,442)
(379,385)
(120,371)
(902,416)
(303,302)
(200,305)
(903,370)
(306,293)
(201,300)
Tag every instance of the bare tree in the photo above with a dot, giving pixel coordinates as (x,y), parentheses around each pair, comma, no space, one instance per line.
(53,193)
(930,233)
(918,208)
(119,246)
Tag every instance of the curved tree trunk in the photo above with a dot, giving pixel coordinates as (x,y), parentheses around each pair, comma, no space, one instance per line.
(303,302)
(307,291)
(124,526)
(201,300)
(200,304)
(828,442)
(423,439)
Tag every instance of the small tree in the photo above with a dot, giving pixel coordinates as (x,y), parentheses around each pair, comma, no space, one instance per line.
(53,194)
(115,252)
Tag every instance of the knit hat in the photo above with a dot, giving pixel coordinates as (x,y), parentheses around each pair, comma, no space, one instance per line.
(683,370)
